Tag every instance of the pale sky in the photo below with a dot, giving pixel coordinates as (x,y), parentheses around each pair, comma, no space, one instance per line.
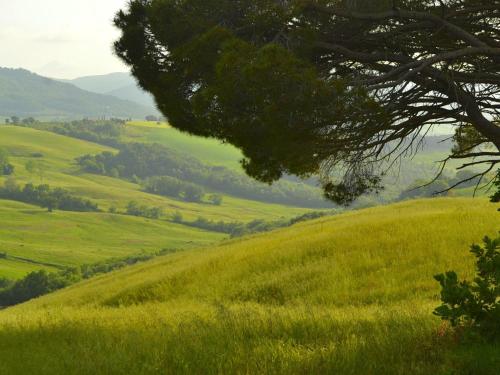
(59,38)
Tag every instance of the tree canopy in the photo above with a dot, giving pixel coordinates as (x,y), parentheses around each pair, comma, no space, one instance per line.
(337,88)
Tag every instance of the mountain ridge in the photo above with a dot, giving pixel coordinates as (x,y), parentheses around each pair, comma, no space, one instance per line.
(20,95)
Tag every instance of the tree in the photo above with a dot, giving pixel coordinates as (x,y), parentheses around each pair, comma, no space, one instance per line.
(339,88)
(8,169)
(193,193)
(177,217)
(216,199)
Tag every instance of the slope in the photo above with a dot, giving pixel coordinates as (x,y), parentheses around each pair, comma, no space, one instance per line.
(31,233)
(26,94)
(352,294)
(120,85)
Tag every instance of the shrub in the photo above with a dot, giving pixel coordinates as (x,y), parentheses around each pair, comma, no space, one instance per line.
(46,197)
(8,169)
(474,305)
(216,199)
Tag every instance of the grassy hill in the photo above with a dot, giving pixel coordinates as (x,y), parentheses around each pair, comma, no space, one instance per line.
(209,150)
(35,239)
(65,238)
(351,294)
(20,96)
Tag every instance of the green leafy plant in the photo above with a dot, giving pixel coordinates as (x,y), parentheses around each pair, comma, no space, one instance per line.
(476,304)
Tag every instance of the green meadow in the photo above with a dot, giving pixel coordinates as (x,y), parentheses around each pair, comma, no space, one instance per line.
(68,238)
(349,294)
(62,239)
(210,151)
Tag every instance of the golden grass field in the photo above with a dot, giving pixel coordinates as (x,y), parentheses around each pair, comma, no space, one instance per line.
(350,294)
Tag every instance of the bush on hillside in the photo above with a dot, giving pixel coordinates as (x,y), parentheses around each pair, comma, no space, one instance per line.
(46,197)
(476,304)
(134,209)
(173,187)
(6,169)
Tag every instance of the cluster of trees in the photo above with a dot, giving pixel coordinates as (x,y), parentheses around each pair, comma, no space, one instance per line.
(135,209)
(105,132)
(238,229)
(46,197)
(38,283)
(16,120)
(139,161)
(6,169)
(175,188)
(145,161)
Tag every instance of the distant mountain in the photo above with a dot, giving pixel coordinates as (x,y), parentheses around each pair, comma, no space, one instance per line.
(24,94)
(121,85)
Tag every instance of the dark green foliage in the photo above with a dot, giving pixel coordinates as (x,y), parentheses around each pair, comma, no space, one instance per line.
(495,198)
(8,169)
(476,304)
(5,283)
(216,199)
(316,87)
(46,197)
(175,188)
(177,217)
(134,209)
(238,229)
(38,283)
(105,132)
(35,285)
(193,193)
(3,255)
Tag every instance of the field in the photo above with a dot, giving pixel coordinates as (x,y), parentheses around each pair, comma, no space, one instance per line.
(210,151)
(350,294)
(59,155)
(58,239)
(64,238)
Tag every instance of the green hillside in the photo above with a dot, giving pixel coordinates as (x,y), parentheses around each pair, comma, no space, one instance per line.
(208,150)
(20,95)
(66,238)
(61,239)
(351,294)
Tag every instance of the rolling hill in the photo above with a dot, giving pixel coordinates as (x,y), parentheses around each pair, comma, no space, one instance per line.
(42,238)
(25,94)
(351,294)
(120,85)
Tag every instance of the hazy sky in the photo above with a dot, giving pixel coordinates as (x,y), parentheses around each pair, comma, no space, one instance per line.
(59,38)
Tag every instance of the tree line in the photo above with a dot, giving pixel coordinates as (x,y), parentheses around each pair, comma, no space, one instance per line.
(133,158)
(42,282)
(46,197)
